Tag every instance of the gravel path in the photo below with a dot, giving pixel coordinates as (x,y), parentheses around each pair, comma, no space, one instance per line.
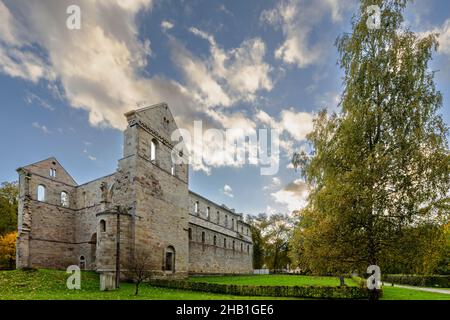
(436,290)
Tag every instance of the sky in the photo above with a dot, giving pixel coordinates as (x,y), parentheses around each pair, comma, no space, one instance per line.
(231,64)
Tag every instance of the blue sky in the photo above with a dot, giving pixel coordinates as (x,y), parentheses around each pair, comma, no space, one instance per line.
(250,64)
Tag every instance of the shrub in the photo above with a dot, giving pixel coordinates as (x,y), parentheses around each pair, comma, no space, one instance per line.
(441,281)
(317,292)
(8,250)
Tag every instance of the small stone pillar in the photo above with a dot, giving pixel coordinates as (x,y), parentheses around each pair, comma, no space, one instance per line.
(107,281)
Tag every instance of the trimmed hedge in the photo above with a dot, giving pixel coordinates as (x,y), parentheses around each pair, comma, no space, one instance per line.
(418,280)
(317,292)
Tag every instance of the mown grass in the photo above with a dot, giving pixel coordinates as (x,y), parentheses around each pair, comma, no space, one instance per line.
(395,293)
(45,284)
(274,280)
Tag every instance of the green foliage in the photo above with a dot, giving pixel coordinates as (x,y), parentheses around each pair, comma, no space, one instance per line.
(316,292)
(8,207)
(258,247)
(381,165)
(439,281)
(271,236)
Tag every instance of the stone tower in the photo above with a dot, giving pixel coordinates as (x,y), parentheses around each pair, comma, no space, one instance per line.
(145,208)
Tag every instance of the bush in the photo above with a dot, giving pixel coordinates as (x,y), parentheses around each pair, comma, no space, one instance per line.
(318,292)
(8,250)
(440,281)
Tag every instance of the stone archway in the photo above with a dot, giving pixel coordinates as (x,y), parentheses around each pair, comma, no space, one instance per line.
(169,259)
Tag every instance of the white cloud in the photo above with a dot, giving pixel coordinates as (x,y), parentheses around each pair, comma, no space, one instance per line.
(297,20)
(92,158)
(275,182)
(228,191)
(444,37)
(98,68)
(293,196)
(31,98)
(225,76)
(166,25)
(43,128)
(297,124)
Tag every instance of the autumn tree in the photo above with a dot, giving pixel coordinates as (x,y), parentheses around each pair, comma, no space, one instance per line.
(380,165)
(8,250)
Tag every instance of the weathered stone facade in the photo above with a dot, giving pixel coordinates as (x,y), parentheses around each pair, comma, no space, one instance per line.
(146,204)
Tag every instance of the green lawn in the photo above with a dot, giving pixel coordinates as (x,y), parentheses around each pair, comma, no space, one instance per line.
(273,280)
(395,293)
(51,285)
(45,284)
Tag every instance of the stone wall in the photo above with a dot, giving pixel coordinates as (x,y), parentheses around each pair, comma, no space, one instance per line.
(46,233)
(158,215)
(213,252)
(161,197)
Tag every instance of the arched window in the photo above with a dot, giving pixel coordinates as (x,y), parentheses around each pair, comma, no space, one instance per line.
(208,210)
(41,193)
(196,207)
(225,243)
(242,247)
(232,224)
(226,221)
(170,259)
(102,225)
(218,217)
(53,172)
(203,237)
(153,148)
(64,199)
(248,248)
(233,245)
(215,240)
(190,233)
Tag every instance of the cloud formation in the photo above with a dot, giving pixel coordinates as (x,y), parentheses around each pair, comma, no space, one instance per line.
(228,191)
(293,195)
(225,76)
(297,19)
(97,66)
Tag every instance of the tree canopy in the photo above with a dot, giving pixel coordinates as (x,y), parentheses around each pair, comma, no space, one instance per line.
(380,167)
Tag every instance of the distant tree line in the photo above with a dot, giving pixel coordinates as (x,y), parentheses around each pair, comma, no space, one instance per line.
(271,240)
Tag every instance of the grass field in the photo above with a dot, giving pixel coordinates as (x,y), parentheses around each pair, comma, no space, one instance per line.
(274,280)
(50,284)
